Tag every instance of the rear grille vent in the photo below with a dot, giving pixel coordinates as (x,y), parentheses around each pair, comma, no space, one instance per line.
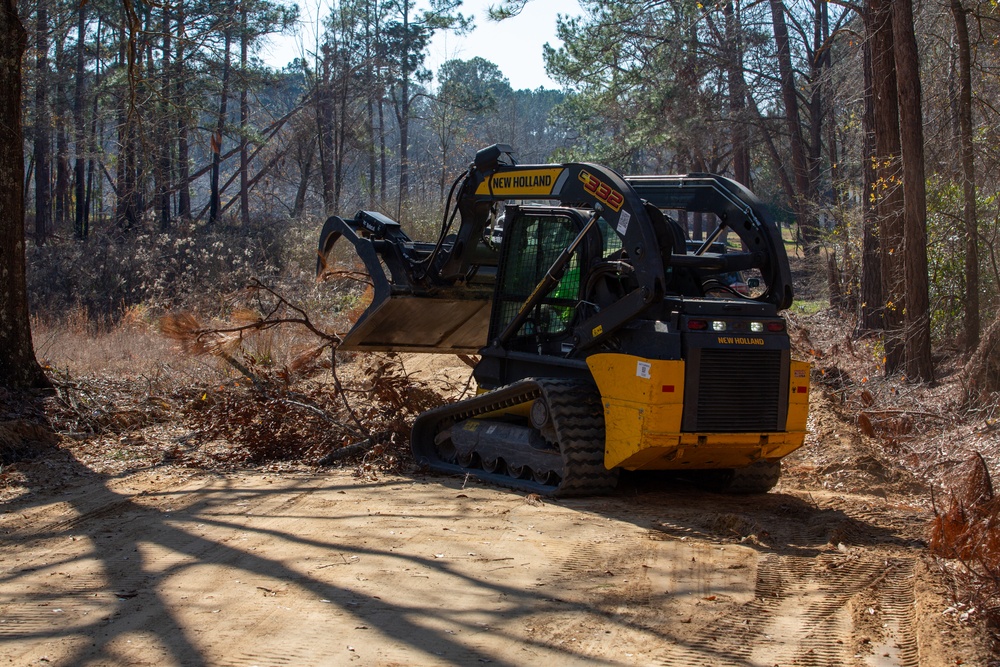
(740,390)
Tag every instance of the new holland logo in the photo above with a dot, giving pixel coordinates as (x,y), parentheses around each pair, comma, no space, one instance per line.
(535,181)
(526,183)
(740,340)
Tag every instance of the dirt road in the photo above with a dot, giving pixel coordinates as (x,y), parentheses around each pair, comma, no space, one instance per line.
(173,567)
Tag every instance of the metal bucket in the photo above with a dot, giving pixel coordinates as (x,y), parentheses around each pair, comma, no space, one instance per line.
(407,314)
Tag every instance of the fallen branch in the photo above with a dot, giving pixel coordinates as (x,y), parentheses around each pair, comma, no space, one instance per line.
(919,413)
(346,451)
(323,415)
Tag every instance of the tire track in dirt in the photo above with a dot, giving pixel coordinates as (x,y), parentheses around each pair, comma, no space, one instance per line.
(606,594)
(263,657)
(804,593)
(783,625)
(814,622)
(895,605)
(906,523)
(584,558)
(846,542)
(633,593)
(730,638)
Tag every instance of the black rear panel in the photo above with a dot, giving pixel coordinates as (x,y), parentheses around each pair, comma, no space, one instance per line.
(736,390)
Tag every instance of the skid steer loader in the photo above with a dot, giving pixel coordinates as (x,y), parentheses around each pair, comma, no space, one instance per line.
(608,340)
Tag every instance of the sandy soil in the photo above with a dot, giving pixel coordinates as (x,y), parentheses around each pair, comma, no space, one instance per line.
(173,567)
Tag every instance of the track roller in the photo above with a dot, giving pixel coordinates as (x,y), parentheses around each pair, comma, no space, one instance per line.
(558,451)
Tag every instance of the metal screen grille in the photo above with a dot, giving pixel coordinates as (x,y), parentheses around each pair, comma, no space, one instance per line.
(740,390)
(530,248)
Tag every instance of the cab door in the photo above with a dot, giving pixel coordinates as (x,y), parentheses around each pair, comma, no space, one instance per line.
(533,238)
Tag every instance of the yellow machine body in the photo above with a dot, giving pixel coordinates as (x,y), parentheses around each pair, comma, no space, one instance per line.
(643,407)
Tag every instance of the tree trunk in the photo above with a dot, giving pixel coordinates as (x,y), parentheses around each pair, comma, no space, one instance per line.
(96,132)
(888,187)
(370,149)
(848,269)
(80,124)
(146,157)
(324,130)
(371,17)
(214,204)
(62,138)
(383,153)
(737,96)
(18,366)
(244,118)
(163,167)
(918,363)
(180,104)
(872,297)
(971,321)
(834,281)
(772,149)
(305,169)
(344,126)
(789,97)
(817,106)
(403,116)
(698,226)
(43,121)
(126,211)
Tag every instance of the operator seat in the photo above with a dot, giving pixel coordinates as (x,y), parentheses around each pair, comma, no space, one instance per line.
(669,234)
(672,240)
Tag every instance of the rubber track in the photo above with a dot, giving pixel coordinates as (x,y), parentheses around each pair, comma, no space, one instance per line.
(578,419)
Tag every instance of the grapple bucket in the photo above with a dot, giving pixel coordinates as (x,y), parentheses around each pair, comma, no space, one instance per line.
(406,314)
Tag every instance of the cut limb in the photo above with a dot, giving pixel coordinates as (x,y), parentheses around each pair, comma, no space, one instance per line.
(982,373)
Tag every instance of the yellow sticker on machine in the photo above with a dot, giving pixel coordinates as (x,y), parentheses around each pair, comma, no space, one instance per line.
(521,183)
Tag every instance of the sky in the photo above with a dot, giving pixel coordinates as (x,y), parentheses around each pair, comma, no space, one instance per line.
(515,45)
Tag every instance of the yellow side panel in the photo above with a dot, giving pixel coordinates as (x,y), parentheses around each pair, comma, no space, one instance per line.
(641,396)
(798,397)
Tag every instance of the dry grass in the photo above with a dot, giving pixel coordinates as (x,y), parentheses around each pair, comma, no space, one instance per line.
(247,380)
(74,345)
